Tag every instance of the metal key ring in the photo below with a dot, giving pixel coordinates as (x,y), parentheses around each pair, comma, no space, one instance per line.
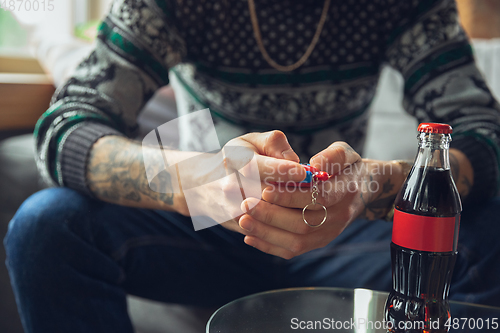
(304,217)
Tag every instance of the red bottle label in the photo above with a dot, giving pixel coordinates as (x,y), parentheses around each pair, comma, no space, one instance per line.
(425,233)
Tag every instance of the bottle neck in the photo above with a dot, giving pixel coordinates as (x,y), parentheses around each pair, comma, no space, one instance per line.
(433,151)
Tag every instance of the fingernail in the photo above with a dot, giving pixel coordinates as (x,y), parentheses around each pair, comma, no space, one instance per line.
(246,224)
(289,155)
(244,207)
(319,160)
(249,241)
(248,206)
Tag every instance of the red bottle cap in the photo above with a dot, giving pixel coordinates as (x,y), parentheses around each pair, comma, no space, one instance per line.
(435,128)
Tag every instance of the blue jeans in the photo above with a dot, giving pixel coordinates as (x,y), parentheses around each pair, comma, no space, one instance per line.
(72,261)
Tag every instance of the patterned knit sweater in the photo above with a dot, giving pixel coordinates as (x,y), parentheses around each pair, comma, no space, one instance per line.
(208,52)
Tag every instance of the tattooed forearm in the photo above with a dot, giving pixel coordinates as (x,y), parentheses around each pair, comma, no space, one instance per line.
(116,173)
(379,206)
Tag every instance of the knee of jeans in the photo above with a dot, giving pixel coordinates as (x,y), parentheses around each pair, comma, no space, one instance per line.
(40,226)
(479,248)
(480,222)
(483,212)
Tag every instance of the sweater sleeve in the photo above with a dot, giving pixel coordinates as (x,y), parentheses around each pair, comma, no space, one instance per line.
(137,44)
(443,84)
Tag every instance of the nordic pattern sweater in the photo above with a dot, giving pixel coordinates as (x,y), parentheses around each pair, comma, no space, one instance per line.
(208,50)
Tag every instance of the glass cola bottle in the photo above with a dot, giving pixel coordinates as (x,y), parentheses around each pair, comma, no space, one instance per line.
(424,238)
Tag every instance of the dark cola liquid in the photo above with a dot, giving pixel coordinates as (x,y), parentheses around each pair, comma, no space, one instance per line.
(429,193)
(418,301)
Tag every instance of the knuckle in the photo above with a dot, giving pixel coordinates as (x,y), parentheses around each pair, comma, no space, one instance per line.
(346,215)
(345,145)
(268,215)
(342,216)
(352,193)
(265,248)
(338,197)
(275,137)
(337,158)
(352,213)
(351,150)
(329,199)
(303,229)
(288,200)
(351,187)
(298,246)
(282,199)
(262,233)
(326,199)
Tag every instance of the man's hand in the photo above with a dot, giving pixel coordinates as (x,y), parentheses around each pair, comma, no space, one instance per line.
(116,173)
(218,182)
(360,188)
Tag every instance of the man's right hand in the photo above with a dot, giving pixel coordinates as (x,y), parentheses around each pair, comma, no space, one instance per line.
(248,163)
(116,173)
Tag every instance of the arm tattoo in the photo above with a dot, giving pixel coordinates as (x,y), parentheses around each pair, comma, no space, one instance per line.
(379,206)
(116,173)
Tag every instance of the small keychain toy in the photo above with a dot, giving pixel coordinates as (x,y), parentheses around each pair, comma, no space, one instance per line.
(313,177)
(312,173)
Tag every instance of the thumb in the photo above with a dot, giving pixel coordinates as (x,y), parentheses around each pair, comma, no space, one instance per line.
(272,144)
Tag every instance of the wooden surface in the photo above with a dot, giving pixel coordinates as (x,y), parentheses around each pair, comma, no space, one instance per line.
(25,92)
(19,64)
(23,99)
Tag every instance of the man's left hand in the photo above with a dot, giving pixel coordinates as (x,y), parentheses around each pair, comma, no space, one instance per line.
(358,188)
